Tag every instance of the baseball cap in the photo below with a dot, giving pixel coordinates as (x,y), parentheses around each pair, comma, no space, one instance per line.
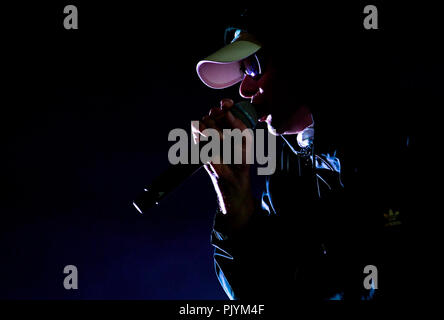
(223,69)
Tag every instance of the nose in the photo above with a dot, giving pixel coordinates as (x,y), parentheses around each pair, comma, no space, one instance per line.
(249,87)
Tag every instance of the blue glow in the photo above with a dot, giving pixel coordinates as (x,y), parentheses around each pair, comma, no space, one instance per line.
(224,282)
(338,296)
(329,162)
(236,35)
(264,205)
(267,205)
(371,292)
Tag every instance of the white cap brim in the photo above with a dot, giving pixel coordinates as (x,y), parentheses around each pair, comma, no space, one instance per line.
(222,69)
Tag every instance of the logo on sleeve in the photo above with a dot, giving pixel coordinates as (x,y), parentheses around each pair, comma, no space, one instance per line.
(392,218)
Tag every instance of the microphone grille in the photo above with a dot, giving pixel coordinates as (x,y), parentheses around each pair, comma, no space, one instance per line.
(245,112)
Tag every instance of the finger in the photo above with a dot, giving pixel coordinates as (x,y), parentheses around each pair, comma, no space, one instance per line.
(233,122)
(211,123)
(197,128)
(202,127)
(215,112)
(226,104)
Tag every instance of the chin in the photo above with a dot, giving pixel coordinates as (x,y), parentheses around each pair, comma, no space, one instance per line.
(270,125)
(291,132)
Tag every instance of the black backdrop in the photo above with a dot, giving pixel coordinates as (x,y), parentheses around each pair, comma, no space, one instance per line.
(85,119)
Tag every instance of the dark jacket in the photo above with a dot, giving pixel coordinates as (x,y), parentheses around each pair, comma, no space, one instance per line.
(319,224)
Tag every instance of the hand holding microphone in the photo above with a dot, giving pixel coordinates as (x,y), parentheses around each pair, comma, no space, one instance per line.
(231,181)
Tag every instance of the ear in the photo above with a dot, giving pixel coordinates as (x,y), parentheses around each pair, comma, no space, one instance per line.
(248,87)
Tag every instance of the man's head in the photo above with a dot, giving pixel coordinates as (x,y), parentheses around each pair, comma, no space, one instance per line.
(282,64)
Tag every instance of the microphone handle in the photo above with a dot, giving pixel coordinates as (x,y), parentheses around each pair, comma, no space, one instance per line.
(163,184)
(176,174)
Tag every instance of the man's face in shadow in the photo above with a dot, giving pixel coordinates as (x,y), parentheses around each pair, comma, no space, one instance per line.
(276,98)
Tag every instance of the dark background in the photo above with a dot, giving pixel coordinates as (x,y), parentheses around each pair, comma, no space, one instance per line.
(85,119)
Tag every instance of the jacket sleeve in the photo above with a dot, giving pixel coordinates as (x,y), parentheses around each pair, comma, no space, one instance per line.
(241,259)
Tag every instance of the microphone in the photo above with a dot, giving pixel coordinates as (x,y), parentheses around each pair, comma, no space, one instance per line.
(175,175)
